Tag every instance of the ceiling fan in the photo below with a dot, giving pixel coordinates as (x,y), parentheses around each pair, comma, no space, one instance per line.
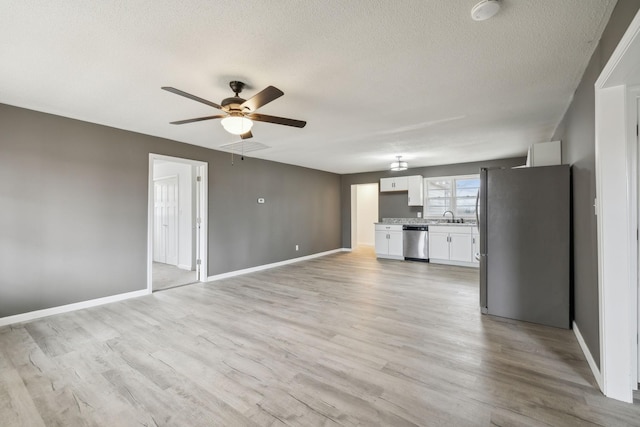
(239,114)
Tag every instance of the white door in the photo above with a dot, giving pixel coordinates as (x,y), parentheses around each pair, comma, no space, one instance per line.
(165,220)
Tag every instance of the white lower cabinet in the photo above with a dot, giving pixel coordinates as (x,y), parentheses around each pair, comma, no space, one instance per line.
(389,241)
(438,245)
(451,245)
(460,247)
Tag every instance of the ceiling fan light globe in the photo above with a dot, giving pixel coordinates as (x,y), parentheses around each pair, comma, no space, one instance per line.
(237,125)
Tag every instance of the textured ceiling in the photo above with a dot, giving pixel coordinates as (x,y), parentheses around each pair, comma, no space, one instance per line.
(373,79)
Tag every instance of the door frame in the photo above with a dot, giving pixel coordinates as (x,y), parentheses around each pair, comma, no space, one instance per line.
(636,192)
(616,208)
(201,221)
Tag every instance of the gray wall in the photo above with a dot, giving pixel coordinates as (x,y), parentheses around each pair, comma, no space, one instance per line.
(73,210)
(577,132)
(394,205)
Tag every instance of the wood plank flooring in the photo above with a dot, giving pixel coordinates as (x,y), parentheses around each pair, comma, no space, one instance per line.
(340,340)
(167,276)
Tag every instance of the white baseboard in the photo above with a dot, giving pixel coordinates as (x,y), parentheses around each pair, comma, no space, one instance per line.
(185,267)
(272,265)
(23,317)
(399,258)
(588,356)
(457,263)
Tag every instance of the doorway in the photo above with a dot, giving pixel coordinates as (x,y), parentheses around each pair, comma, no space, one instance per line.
(176,250)
(364,213)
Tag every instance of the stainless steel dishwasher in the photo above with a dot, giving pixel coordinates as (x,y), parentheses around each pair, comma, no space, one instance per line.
(415,242)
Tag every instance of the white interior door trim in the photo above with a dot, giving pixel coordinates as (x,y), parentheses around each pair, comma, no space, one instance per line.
(354,216)
(633,97)
(202,214)
(635,341)
(202,170)
(613,208)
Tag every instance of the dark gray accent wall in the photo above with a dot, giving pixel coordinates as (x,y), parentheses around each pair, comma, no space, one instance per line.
(394,204)
(73,210)
(577,132)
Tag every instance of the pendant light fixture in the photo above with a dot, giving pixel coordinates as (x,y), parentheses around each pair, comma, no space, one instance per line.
(398,165)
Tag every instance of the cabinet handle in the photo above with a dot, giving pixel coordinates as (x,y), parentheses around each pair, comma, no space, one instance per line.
(474,240)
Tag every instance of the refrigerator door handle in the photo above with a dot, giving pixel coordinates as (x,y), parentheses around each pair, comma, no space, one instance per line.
(477,205)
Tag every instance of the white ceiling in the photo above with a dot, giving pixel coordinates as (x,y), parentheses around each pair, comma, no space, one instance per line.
(372,78)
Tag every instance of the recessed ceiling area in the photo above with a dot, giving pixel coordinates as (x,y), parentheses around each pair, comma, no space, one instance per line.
(373,79)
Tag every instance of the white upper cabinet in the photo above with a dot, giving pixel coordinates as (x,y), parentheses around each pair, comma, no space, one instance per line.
(399,183)
(412,184)
(416,190)
(545,154)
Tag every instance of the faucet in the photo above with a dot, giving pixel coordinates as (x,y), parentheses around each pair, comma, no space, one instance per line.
(453,217)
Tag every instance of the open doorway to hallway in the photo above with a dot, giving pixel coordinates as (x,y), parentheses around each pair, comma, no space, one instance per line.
(177,237)
(364,213)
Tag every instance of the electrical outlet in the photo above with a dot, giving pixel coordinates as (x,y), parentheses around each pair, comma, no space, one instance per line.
(419,214)
(297,247)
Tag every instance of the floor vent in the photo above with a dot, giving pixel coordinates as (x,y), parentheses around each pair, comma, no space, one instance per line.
(243,147)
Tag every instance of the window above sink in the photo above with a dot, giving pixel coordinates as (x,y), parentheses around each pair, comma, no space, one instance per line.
(451,193)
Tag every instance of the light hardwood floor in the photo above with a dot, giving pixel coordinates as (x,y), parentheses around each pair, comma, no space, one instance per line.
(165,276)
(340,340)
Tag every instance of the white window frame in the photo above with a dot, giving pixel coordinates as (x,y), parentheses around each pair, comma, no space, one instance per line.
(451,178)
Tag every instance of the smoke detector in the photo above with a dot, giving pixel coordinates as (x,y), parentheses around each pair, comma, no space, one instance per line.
(485,10)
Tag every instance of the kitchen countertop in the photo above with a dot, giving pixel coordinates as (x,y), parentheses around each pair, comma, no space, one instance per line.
(421,221)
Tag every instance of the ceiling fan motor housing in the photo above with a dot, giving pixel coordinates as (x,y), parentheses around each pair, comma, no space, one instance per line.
(232,104)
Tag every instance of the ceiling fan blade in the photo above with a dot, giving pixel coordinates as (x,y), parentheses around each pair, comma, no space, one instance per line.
(262,98)
(193,97)
(199,119)
(246,135)
(277,120)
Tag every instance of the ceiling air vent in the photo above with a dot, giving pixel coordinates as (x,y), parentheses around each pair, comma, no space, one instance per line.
(241,147)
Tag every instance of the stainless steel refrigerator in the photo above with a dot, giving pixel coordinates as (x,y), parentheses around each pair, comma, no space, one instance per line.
(524,221)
